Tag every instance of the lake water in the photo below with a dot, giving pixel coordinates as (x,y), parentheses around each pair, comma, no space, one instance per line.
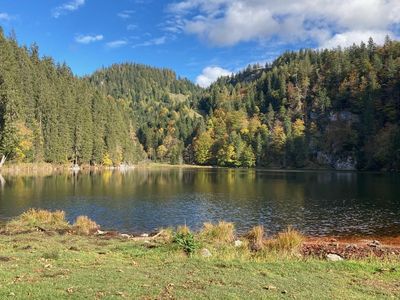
(142,200)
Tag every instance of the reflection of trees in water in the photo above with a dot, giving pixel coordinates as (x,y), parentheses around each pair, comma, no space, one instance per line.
(248,196)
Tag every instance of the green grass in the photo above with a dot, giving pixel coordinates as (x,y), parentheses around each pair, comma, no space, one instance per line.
(40,265)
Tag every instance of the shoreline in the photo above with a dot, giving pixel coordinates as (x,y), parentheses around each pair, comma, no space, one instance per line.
(48,168)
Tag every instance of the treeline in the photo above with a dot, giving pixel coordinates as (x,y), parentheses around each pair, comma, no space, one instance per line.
(163,107)
(312,108)
(337,108)
(47,114)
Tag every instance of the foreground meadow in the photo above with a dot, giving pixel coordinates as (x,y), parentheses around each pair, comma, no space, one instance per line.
(72,263)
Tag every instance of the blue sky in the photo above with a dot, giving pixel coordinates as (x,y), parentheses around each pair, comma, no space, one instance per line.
(199,39)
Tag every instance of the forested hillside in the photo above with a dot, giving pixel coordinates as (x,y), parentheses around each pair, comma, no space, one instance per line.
(308,109)
(163,107)
(337,108)
(47,114)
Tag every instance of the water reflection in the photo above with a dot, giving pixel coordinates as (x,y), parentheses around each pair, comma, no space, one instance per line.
(317,203)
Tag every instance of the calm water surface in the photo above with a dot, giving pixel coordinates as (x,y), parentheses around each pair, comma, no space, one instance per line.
(142,200)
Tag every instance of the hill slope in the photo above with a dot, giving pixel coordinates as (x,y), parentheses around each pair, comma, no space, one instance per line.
(163,106)
(338,108)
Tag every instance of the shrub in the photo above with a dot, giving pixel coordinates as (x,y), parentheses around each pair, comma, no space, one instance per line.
(223,232)
(35,219)
(289,240)
(186,241)
(256,238)
(85,226)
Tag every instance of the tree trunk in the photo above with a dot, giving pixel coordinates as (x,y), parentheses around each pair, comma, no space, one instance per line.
(3,160)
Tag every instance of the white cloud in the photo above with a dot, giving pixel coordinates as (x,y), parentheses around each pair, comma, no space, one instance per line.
(210,75)
(87,39)
(126,14)
(116,44)
(324,22)
(348,38)
(153,42)
(5,17)
(67,7)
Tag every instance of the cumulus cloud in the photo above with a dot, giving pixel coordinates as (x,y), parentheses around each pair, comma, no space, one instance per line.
(348,38)
(116,44)
(324,22)
(210,75)
(67,7)
(87,39)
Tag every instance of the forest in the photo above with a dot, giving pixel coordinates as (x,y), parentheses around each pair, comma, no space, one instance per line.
(336,108)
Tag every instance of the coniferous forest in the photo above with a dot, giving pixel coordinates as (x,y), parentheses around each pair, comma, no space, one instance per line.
(309,109)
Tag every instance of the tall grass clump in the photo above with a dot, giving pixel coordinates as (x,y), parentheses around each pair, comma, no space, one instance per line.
(38,219)
(85,226)
(183,229)
(223,232)
(256,238)
(289,240)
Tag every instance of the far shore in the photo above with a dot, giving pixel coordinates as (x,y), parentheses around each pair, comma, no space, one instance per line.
(49,169)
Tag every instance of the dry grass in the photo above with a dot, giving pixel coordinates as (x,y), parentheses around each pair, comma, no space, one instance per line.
(256,238)
(183,229)
(165,235)
(35,219)
(85,226)
(223,232)
(289,240)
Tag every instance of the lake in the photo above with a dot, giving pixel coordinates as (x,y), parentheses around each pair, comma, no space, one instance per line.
(317,203)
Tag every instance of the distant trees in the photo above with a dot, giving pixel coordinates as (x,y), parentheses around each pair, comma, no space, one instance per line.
(47,114)
(162,106)
(339,103)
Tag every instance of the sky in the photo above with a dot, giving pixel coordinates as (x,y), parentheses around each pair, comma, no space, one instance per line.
(198,39)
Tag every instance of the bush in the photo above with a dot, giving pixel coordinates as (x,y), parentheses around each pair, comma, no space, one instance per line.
(85,226)
(256,238)
(187,242)
(35,219)
(289,240)
(223,232)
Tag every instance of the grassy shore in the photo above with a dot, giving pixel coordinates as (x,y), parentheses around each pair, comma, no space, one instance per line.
(44,257)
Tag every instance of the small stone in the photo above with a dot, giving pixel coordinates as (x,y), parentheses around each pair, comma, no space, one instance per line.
(205,252)
(238,243)
(333,257)
(270,287)
(124,235)
(144,235)
(100,232)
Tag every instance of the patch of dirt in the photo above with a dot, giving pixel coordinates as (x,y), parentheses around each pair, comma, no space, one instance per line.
(352,248)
